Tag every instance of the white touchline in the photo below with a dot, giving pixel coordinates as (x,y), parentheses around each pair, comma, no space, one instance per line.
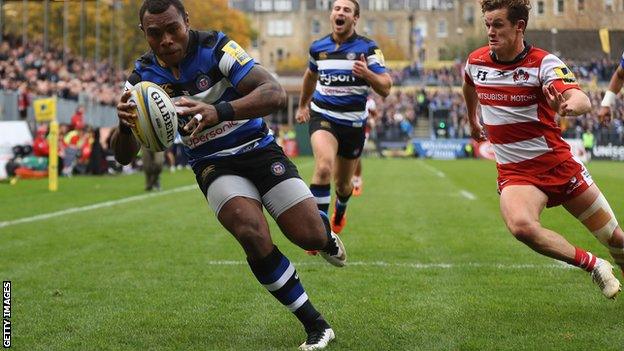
(434,170)
(468,195)
(416,265)
(94,206)
(44,216)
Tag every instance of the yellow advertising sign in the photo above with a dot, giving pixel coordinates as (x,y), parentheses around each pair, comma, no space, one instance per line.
(45,109)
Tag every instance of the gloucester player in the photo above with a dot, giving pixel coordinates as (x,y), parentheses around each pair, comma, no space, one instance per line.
(520,89)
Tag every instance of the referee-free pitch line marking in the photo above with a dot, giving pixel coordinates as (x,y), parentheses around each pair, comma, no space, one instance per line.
(45,216)
(468,195)
(416,265)
(434,170)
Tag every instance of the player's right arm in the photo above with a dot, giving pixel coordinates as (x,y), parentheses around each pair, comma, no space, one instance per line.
(124,144)
(472,101)
(307,90)
(615,85)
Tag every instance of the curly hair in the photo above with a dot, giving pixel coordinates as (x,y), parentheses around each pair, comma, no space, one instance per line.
(516,9)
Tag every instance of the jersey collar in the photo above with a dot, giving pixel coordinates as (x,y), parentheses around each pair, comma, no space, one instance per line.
(516,59)
(351,38)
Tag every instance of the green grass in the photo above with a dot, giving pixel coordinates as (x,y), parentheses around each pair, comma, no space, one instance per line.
(430,269)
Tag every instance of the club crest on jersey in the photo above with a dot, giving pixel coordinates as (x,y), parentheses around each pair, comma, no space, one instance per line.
(520,76)
(565,74)
(277,168)
(351,56)
(202,82)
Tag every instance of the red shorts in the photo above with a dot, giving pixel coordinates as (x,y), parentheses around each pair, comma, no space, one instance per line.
(564,182)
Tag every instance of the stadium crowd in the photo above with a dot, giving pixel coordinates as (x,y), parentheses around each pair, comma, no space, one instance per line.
(415,74)
(31,70)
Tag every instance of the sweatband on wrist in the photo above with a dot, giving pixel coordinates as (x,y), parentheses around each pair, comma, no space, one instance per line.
(124,129)
(225,112)
(609,99)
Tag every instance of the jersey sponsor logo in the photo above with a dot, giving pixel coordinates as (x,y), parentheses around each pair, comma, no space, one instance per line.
(277,168)
(565,74)
(520,76)
(500,73)
(481,75)
(380,57)
(327,79)
(202,82)
(236,51)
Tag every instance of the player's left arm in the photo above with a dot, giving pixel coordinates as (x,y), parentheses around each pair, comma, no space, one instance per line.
(561,90)
(372,69)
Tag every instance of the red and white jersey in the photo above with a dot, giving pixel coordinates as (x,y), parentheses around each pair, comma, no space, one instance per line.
(519,123)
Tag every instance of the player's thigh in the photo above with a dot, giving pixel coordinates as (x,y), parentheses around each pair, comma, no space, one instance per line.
(579,204)
(521,204)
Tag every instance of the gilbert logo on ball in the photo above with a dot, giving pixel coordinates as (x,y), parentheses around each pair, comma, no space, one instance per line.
(157,120)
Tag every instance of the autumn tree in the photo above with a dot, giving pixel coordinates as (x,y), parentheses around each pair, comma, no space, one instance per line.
(119,32)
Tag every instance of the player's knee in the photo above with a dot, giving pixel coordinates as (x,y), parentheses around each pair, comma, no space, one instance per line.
(523,230)
(324,170)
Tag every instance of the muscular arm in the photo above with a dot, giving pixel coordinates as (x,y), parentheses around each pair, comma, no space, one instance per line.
(617,80)
(263,95)
(124,145)
(381,83)
(309,83)
(470,95)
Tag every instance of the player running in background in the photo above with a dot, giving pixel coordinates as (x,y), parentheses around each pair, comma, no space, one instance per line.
(237,163)
(520,89)
(343,67)
(615,85)
(371,109)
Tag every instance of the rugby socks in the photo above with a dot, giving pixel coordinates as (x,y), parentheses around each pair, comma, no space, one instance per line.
(322,196)
(341,206)
(279,276)
(584,260)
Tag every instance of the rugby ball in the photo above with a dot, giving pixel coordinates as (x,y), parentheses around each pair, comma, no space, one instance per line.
(157,120)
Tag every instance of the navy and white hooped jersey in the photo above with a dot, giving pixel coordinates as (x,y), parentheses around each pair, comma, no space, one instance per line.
(210,71)
(622,60)
(340,96)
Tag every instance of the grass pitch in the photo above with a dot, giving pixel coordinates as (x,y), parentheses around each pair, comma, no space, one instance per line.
(431,267)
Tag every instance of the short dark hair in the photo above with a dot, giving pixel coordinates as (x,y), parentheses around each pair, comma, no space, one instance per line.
(160,6)
(356,10)
(516,9)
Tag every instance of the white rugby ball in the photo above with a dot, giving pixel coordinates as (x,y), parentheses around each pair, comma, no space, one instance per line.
(157,120)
